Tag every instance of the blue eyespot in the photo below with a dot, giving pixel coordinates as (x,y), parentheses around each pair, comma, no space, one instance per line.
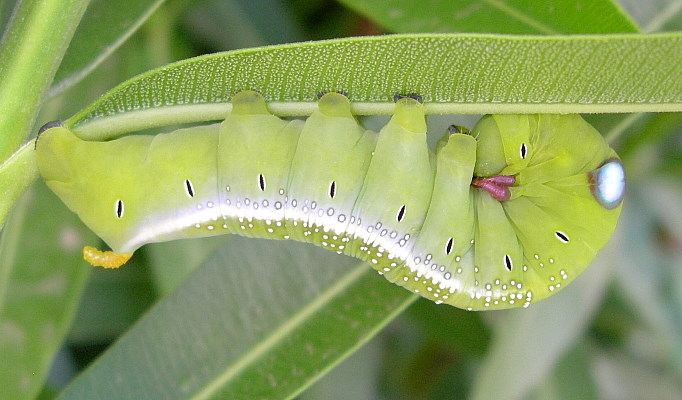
(607,183)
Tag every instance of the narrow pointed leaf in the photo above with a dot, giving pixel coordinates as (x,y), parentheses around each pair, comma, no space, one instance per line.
(497,16)
(234,330)
(452,73)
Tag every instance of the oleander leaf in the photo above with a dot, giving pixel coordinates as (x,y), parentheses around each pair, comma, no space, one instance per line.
(494,16)
(233,331)
(455,74)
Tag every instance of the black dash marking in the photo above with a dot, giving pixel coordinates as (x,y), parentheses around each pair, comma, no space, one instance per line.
(561,236)
(261,182)
(449,245)
(454,129)
(119,208)
(413,96)
(522,151)
(332,189)
(51,124)
(189,188)
(401,213)
(508,262)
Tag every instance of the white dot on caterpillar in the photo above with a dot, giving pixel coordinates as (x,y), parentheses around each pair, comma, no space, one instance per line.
(255,205)
(387,269)
(383,232)
(447,275)
(265,203)
(330,212)
(209,204)
(227,188)
(278,205)
(247,201)
(320,212)
(270,230)
(225,226)
(210,227)
(313,205)
(551,261)
(199,206)
(281,191)
(197,225)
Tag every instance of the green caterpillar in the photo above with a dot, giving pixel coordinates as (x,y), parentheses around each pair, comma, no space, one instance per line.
(498,218)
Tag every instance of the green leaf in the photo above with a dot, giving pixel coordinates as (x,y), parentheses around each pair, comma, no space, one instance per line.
(497,16)
(40,285)
(31,49)
(16,175)
(106,25)
(234,330)
(172,262)
(453,74)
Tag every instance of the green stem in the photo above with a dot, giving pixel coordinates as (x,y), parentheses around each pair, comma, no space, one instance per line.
(31,50)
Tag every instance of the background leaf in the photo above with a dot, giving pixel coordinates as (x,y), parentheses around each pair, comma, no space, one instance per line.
(244,336)
(495,16)
(40,285)
(106,25)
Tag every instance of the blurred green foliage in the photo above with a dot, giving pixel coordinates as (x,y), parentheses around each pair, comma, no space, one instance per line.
(622,340)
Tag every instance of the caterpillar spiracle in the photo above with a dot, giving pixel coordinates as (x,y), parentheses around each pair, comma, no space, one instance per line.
(500,217)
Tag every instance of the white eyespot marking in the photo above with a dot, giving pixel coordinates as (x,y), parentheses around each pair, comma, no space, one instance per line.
(523,151)
(261,182)
(607,183)
(449,245)
(332,189)
(118,209)
(189,188)
(563,238)
(401,213)
(508,262)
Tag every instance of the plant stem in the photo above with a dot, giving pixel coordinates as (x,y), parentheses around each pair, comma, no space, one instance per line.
(31,50)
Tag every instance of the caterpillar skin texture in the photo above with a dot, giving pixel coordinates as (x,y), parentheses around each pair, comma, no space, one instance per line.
(546,194)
